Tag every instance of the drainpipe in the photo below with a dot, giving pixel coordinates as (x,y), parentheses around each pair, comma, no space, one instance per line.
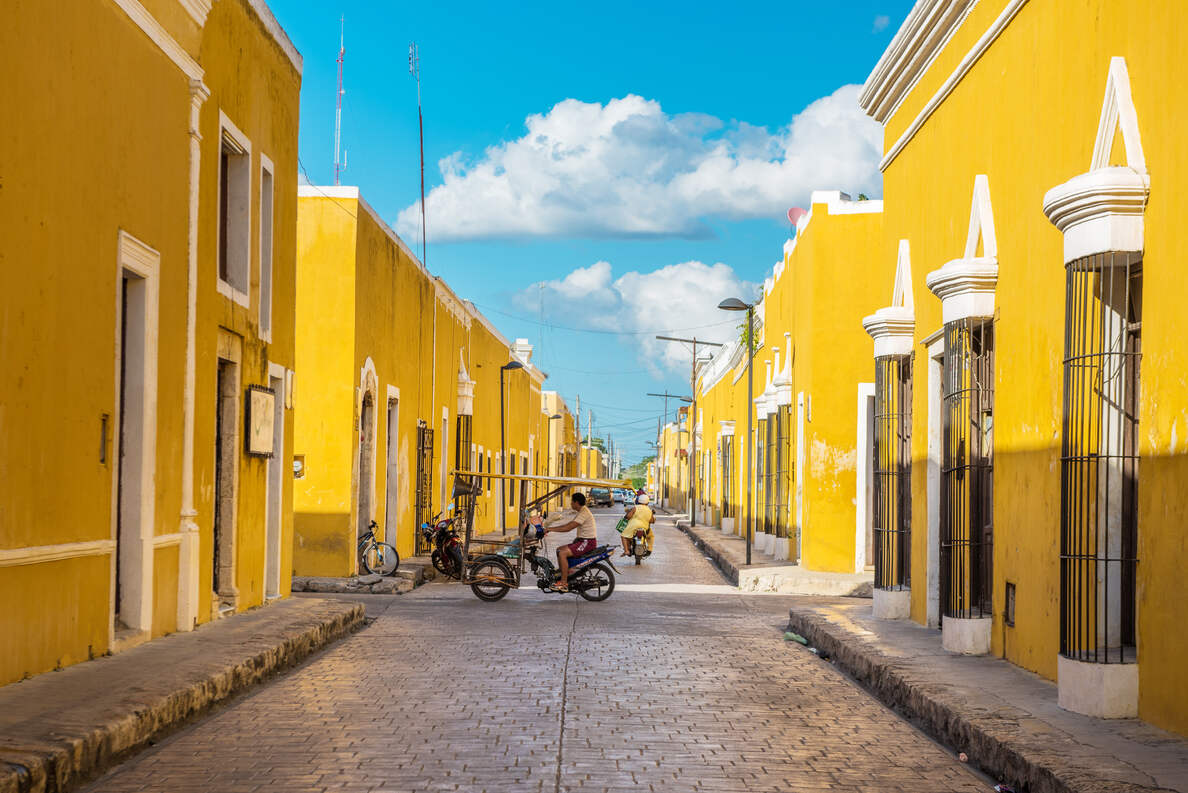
(188,561)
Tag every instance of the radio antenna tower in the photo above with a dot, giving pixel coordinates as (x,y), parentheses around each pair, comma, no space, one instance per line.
(414,68)
(339,161)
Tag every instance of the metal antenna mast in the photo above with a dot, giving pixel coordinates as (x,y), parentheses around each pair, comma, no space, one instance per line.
(414,68)
(339,161)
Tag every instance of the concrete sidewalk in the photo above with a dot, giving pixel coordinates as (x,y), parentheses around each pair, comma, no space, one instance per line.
(61,728)
(1003,717)
(765,574)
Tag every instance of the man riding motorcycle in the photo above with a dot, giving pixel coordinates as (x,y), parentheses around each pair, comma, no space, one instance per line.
(639,517)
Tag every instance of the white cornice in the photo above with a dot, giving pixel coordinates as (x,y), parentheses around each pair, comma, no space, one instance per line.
(922,36)
(197,9)
(160,36)
(892,328)
(278,33)
(1099,211)
(958,74)
(965,288)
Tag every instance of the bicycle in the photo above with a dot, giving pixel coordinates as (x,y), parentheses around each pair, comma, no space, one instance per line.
(377,558)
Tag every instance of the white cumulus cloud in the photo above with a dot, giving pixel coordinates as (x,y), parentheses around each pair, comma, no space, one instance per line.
(680,297)
(881,22)
(627,168)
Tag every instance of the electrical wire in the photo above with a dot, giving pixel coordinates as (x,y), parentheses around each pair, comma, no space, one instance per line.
(601,331)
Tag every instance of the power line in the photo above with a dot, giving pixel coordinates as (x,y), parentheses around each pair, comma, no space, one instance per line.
(599,330)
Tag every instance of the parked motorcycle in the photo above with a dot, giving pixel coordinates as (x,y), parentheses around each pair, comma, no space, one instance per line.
(447,545)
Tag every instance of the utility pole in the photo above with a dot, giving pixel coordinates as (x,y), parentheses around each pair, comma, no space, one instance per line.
(577,427)
(660,445)
(339,154)
(693,423)
(414,68)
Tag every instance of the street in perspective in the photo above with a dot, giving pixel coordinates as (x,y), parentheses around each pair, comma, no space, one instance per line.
(648,397)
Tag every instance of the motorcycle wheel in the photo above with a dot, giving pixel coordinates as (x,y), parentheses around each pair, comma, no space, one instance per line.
(492,578)
(597,584)
(639,552)
(453,560)
(439,563)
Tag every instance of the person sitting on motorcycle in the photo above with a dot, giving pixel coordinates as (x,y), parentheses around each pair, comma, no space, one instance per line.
(587,536)
(639,517)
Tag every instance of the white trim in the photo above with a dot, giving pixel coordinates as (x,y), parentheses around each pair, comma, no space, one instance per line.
(228,129)
(920,39)
(160,36)
(368,383)
(864,469)
(800,458)
(893,326)
(136,607)
(936,351)
(266,165)
(392,465)
(197,9)
(39,554)
(166,540)
(277,467)
(277,32)
(1103,209)
(975,53)
(966,285)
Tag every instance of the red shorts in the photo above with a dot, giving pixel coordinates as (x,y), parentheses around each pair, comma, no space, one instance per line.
(580,547)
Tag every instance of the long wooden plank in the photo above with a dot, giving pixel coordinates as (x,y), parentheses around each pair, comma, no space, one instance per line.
(556,480)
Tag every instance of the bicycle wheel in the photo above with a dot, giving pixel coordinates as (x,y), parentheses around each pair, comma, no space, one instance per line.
(381,559)
(597,584)
(491,578)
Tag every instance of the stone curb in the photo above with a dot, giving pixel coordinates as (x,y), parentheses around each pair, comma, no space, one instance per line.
(411,573)
(73,753)
(720,560)
(993,741)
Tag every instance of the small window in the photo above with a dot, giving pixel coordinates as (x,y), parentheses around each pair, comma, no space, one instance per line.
(511,489)
(266,249)
(488,471)
(234,235)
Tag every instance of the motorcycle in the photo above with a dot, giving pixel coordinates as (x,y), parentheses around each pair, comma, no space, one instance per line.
(637,543)
(447,545)
(590,575)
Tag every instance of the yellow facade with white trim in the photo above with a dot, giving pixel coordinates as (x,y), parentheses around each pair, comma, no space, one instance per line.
(383,346)
(113,176)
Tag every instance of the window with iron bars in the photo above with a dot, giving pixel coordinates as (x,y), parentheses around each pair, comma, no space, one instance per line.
(727,452)
(967,515)
(463,455)
(781,470)
(1099,458)
(760,519)
(424,494)
(770,518)
(892,471)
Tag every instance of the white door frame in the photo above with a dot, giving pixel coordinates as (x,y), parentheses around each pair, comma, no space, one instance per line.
(864,486)
(392,465)
(936,351)
(274,492)
(143,264)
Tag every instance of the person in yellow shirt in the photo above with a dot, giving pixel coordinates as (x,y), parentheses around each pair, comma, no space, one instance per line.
(639,516)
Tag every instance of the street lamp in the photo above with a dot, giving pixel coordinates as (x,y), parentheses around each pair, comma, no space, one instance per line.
(507,367)
(734,304)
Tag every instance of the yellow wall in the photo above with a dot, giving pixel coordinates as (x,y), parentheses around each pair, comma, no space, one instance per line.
(108,150)
(1026,115)
(367,305)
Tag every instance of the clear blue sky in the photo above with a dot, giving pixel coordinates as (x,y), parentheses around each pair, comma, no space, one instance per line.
(715,84)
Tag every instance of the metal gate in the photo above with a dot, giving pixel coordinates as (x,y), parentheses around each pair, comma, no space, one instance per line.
(424,499)
(892,471)
(727,464)
(967,514)
(1099,458)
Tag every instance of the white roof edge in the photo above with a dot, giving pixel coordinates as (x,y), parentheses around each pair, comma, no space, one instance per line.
(278,33)
(922,36)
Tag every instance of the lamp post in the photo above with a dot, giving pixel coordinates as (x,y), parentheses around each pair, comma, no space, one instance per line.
(507,367)
(734,304)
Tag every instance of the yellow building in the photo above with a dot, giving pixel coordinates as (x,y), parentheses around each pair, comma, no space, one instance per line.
(561,441)
(403,382)
(1032,155)
(813,410)
(144,441)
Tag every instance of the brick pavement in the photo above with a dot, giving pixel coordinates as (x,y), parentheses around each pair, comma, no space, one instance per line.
(676,683)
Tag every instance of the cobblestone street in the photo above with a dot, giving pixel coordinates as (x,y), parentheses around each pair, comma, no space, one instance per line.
(674,684)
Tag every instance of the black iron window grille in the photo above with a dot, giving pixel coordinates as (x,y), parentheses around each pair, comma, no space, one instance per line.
(772,453)
(424,494)
(727,476)
(783,469)
(1099,458)
(760,520)
(463,454)
(967,514)
(892,471)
